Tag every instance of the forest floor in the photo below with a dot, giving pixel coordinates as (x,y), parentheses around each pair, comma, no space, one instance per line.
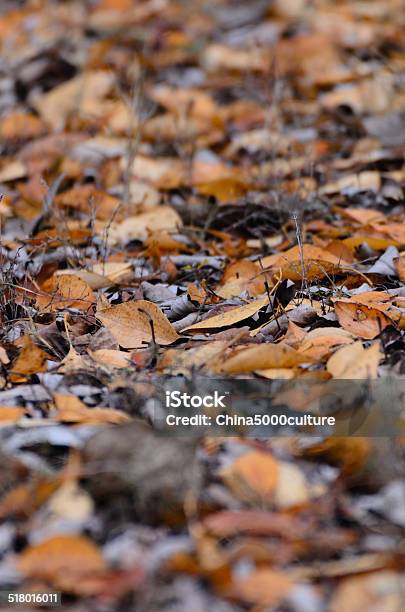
(211,191)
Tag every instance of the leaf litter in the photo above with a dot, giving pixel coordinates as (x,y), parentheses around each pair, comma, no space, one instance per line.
(218,190)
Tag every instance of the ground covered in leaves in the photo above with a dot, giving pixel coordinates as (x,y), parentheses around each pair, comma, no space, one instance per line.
(206,187)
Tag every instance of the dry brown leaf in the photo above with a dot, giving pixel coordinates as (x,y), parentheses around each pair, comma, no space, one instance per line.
(241,276)
(84,94)
(202,357)
(361,320)
(111,358)
(355,362)
(321,346)
(364,216)
(263,357)
(318,263)
(70,409)
(263,587)
(21,126)
(230,317)
(130,324)
(381,590)
(66,291)
(30,360)
(142,225)
(11,414)
(253,477)
(351,454)
(13,171)
(62,561)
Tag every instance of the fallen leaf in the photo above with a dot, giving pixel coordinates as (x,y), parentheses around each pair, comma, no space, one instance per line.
(317,263)
(361,320)
(355,362)
(263,587)
(253,477)
(63,561)
(230,317)
(263,357)
(30,360)
(70,409)
(83,94)
(111,358)
(131,324)
(66,291)
(292,488)
(380,590)
(13,171)
(11,414)
(142,225)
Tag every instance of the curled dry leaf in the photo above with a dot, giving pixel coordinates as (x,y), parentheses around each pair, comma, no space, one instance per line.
(361,320)
(263,357)
(355,362)
(66,291)
(131,324)
(253,477)
(62,561)
(230,317)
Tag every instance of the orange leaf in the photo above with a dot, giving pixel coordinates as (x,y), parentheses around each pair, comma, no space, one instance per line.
(317,263)
(66,291)
(263,587)
(262,357)
(30,360)
(253,477)
(11,414)
(363,321)
(63,561)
